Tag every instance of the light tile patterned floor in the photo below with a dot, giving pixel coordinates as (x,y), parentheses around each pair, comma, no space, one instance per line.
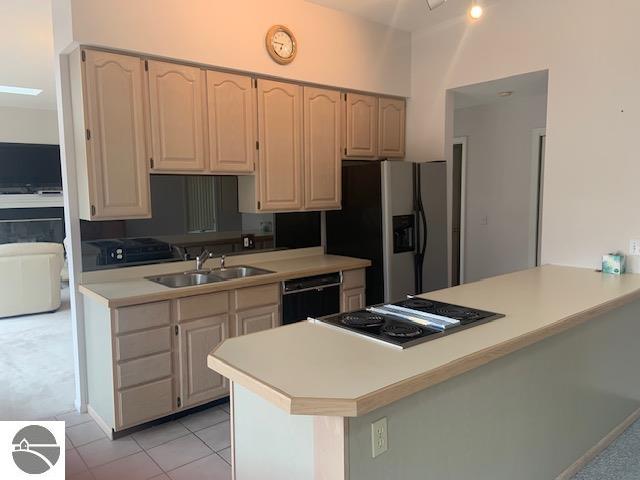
(193,447)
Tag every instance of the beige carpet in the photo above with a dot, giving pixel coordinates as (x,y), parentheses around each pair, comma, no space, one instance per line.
(36,364)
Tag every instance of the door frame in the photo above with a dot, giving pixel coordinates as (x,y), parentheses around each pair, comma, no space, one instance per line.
(536,189)
(463,202)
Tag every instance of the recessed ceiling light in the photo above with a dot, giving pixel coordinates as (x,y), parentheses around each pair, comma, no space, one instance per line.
(505,94)
(20,90)
(475,12)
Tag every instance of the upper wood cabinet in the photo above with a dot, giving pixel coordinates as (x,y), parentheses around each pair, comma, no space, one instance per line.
(322,159)
(280,148)
(361,117)
(231,102)
(391,127)
(108,110)
(176,101)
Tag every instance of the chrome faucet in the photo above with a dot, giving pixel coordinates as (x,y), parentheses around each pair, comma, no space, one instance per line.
(202,258)
(222,259)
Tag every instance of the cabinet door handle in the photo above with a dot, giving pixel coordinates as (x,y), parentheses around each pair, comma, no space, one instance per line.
(176,329)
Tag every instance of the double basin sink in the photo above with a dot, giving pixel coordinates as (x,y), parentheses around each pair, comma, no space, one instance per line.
(202,277)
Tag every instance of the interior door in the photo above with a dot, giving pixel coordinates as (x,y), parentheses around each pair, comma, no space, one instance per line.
(322,159)
(280,153)
(176,110)
(116,150)
(231,112)
(197,338)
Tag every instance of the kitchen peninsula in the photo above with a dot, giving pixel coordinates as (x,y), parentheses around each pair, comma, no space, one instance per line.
(532,395)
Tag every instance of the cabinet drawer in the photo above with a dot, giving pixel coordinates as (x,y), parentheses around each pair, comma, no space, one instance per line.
(143,343)
(139,317)
(200,306)
(144,370)
(257,296)
(353,279)
(145,402)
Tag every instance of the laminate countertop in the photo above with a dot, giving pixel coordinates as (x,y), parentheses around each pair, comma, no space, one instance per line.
(310,369)
(135,291)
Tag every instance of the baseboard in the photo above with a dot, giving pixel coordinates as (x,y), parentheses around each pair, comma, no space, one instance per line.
(101,423)
(594,451)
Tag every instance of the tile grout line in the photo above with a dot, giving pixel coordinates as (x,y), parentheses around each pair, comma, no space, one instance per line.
(152,459)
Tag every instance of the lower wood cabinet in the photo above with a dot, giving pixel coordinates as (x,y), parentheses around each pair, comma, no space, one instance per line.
(196,339)
(257,319)
(353,299)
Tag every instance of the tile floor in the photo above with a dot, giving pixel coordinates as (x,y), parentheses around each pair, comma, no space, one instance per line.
(193,447)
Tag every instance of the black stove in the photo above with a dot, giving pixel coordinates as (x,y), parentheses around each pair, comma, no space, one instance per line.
(410,322)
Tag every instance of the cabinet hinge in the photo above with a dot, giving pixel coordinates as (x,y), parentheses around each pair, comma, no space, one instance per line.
(93,210)
(344,96)
(146,65)
(83,55)
(179,402)
(258,205)
(151,162)
(255,83)
(257,145)
(88,134)
(176,329)
(345,150)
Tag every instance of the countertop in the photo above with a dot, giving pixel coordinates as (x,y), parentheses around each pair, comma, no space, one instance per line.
(135,291)
(310,369)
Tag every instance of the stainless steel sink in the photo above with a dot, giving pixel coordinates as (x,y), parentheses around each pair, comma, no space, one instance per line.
(191,279)
(240,271)
(186,279)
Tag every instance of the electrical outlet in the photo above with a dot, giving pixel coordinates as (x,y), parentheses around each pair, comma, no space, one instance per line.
(484,220)
(634,247)
(379,443)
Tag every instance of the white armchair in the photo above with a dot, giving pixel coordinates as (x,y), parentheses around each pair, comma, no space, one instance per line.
(30,278)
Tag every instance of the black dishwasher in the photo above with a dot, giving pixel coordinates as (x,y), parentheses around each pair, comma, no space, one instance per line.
(314,297)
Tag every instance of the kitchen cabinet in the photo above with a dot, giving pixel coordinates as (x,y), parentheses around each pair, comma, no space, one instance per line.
(176,105)
(352,294)
(322,140)
(257,319)
(256,309)
(231,111)
(109,131)
(196,339)
(361,125)
(280,146)
(391,127)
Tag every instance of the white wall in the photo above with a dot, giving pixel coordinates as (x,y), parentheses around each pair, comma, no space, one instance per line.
(27,125)
(334,48)
(590,50)
(499,181)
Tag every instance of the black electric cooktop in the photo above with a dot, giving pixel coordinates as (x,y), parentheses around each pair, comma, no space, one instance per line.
(409,322)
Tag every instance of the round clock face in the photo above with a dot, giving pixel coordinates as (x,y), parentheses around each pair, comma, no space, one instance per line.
(281,44)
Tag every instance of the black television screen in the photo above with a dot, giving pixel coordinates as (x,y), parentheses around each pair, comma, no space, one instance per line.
(30,166)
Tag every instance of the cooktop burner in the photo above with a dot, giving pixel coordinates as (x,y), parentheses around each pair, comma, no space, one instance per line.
(362,319)
(409,322)
(403,330)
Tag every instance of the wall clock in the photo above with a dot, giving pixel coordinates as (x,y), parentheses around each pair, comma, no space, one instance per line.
(281,44)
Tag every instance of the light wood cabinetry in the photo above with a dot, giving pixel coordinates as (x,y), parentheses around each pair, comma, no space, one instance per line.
(322,159)
(256,309)
(257,319)
(361,133)
(352,294)
(196,339)
(109,129)
(391,127)
(231,109)
(176,102)
(280,146)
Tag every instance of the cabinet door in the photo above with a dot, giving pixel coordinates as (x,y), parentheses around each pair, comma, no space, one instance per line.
(231,101)
(391,127)
(176,109)
(198,383)
(322,159)
(362,125)
(280,153)
(257,319)
(116,150)
(353,299)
